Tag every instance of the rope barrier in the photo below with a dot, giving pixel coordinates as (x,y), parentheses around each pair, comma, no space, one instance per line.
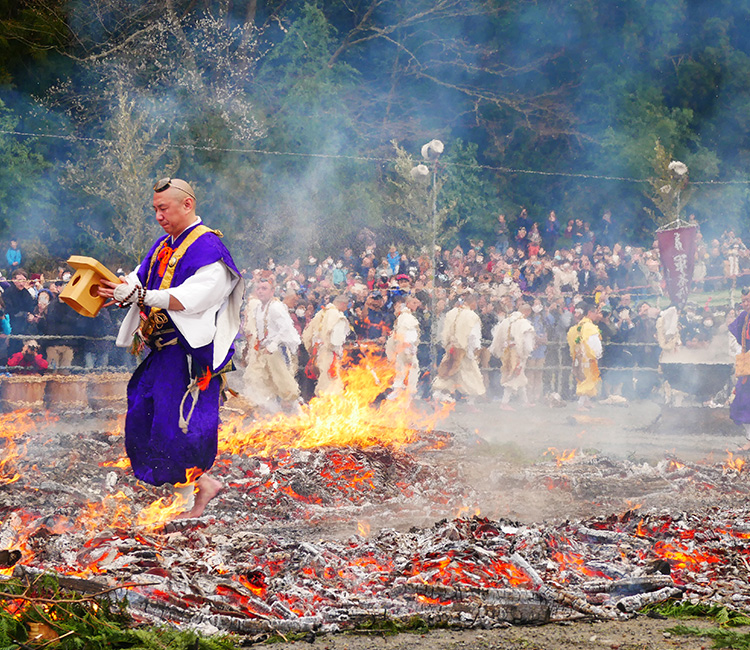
(350,157)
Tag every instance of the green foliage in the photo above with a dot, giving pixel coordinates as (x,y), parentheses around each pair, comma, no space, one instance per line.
(669,192)
(414,214)
(21,178)
(721,637)
(470,190)
(28,31)
(308,110)
(80,623)
(118,175)
(685,609)
(574,89)
(387,626)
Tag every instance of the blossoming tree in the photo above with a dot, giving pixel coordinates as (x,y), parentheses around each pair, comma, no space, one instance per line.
(668,188)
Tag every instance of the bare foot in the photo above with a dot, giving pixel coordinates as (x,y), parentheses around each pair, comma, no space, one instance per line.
(506,407)
(208,488)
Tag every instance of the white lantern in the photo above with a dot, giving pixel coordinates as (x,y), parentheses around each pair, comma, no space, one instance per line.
(432,150)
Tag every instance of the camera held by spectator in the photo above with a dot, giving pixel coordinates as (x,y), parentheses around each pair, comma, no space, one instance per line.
(28,360)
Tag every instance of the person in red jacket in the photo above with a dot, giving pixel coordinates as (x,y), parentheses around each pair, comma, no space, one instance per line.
(28,360)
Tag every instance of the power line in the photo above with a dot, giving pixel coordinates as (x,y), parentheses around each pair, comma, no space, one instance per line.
(298,154)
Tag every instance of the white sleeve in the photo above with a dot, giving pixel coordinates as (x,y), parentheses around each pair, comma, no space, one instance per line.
(338,333)
(529,339)
(212,298)
(209,286)
(595,343)
(281,330)
(474,341)
(410,336)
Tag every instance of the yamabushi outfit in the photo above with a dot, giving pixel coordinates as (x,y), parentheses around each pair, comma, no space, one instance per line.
(271,353)
(461,337)
(585,343)
(177,383)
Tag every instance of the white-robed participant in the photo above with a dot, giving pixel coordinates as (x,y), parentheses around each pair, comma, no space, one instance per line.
(461,337)
(401,348)
(270,354)
(324,339)
(513,340)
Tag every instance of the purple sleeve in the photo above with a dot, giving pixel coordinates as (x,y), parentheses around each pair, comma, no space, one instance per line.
(735,327)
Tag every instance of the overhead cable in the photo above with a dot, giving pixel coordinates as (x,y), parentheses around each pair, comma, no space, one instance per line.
(330,156)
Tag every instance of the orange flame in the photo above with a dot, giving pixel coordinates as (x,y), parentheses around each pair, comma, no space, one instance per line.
(565,456)
(113,511)
(575,563)
(683,557)
(121,463)
(349,419)
(363,528)
(161,511)
(674,465)
(12,426)
(732,463)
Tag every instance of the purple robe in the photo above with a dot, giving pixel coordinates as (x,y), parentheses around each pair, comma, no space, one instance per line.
(159,451)
(739,409)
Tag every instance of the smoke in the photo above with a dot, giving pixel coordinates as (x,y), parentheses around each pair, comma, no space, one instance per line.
(553,87)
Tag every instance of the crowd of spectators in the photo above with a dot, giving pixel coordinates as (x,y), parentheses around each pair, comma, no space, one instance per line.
(31,309)
(551,265)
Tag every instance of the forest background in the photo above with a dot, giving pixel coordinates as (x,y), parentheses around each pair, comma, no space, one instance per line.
(299,123)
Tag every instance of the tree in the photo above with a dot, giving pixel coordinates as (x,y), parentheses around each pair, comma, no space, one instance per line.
(119,173)
(21,181)
(669,192)
(412,194)
(471,190)
(153,118)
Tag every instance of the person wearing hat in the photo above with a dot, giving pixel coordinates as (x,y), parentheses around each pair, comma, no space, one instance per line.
(402,285)
(185,299)
(585,343)
(28,360)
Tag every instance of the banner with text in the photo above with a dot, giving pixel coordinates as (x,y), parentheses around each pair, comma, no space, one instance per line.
(677,251)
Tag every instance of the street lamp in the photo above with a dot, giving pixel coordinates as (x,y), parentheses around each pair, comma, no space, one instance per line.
(430,153)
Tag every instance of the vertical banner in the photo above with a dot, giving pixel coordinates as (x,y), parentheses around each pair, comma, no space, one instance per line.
(677,251)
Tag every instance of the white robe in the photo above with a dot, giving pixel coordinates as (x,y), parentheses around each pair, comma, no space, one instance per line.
(212,298)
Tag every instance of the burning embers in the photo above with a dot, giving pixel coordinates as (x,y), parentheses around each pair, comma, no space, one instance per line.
(12,446)
(337,473)
(349,419)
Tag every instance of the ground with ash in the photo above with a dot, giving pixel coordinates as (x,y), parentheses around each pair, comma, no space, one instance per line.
(456,528)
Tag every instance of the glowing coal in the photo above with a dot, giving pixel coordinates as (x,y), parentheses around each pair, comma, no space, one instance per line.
(256,561)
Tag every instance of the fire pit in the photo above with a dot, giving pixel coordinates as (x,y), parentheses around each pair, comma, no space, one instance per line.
(350,510)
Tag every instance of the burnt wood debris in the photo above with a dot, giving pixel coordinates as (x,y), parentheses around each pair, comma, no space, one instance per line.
(286,546)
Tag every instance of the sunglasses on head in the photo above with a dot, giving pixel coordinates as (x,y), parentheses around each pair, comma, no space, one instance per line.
(163,183)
